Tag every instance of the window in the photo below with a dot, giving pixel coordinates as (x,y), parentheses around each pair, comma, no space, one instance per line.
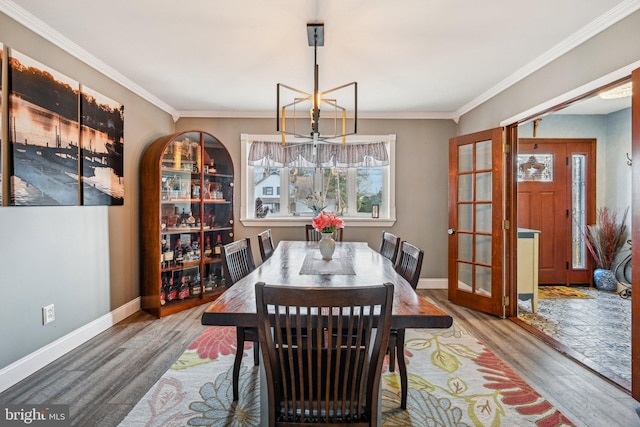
(339,184)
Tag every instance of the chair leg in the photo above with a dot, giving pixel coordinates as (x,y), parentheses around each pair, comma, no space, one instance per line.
(256,353)
(402,367)
(392,358)
(238,361)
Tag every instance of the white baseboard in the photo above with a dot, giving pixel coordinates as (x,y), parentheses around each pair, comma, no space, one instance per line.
(20,369)
(431,283)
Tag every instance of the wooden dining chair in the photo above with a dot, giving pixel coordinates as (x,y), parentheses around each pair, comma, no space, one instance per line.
(389,246)
(314,235)
(408,265)
(238,262)
(265,242)
(318,377)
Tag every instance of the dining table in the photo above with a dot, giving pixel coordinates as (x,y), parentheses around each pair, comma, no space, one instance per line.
(300,264)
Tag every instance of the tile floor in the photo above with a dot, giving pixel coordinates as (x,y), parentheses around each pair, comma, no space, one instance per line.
(598,329)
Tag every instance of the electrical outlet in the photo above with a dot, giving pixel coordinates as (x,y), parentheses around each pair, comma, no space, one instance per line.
(48,314)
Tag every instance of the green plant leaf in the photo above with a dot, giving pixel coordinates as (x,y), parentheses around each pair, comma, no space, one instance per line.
(485,410)
(189,360)
(445,361)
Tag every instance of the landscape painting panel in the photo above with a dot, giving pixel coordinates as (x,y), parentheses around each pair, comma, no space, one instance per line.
(44,132)
(1,115)
(102,136)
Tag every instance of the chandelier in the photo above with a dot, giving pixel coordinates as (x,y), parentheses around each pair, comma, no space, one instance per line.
(339,119)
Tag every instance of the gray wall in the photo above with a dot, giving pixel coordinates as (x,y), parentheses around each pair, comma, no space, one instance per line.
(85,260)
(609,51)
(613,140)
(82,259)
(421,182)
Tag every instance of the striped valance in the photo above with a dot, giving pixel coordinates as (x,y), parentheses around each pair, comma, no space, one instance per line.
(274,154)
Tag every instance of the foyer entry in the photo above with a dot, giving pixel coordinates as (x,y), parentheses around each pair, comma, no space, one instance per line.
(556,195)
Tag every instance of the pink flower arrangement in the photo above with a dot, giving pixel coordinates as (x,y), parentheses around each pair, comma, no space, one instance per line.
(327,222)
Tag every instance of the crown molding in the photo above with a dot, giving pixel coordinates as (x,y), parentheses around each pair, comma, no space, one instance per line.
(361,115)
(600,24)
(613,16)
(24,18)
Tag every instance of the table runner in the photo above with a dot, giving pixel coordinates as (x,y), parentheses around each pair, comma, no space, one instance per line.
(341,263)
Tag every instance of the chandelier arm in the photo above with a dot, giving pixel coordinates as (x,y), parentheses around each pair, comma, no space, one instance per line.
(339,87)
(308,95)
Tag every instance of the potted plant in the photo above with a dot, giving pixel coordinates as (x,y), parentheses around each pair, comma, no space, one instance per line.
(604,239)
(326,224)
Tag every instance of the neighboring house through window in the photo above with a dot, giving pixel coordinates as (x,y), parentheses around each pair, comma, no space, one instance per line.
(347,179)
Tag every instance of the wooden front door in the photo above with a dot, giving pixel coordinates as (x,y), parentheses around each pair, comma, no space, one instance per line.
(476,247)
(556,179)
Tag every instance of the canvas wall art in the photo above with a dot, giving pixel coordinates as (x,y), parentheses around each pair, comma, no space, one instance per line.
(2,58)
(102,142)
(44,133)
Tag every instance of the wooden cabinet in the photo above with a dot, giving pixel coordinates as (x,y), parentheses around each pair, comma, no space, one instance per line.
(186,215)
(528,253)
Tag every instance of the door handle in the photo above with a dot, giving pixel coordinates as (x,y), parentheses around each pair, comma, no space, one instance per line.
(451,231)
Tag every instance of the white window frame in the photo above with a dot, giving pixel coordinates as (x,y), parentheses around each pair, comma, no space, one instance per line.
(387,213)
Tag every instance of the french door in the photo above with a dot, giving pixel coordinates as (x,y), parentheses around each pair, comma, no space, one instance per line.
(476,221)
(556,196)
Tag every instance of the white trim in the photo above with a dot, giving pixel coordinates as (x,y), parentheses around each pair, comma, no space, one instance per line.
(603,22)
(560,99)
(291,221)
(286,221)
(431,283)
(20,369)
(34,24)
(381,115)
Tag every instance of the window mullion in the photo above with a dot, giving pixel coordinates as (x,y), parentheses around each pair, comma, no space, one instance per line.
(351,191)
(284,190)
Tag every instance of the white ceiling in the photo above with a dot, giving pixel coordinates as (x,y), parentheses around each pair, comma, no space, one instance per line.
(414,58)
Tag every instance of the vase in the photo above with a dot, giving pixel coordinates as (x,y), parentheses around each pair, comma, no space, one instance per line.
(605,280)
(327,245)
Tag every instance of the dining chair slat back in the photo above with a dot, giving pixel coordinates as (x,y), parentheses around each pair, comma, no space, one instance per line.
(389,246)
(312,374)
(237,263)
(313,235)
(238,260)
(265,241)
(408,265)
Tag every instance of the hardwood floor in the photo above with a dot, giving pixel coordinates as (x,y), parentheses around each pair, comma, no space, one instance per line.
(103,379)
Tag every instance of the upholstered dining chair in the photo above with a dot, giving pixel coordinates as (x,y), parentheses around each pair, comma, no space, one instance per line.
(389,246)
(265,241)
(238,262)
(318,377)
(314,235)
(408,265)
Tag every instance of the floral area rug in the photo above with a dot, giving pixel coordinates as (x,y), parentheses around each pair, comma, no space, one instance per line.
(560,292)
(453,381)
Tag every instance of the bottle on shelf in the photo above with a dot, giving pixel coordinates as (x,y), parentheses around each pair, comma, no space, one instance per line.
(217,250)
(179,252)
(188,250)
(207,248)
(195,288)
(183,292)
(163,291)
(168,253)
(172,292)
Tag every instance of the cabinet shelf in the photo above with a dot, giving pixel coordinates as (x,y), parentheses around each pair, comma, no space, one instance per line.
(175,178)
